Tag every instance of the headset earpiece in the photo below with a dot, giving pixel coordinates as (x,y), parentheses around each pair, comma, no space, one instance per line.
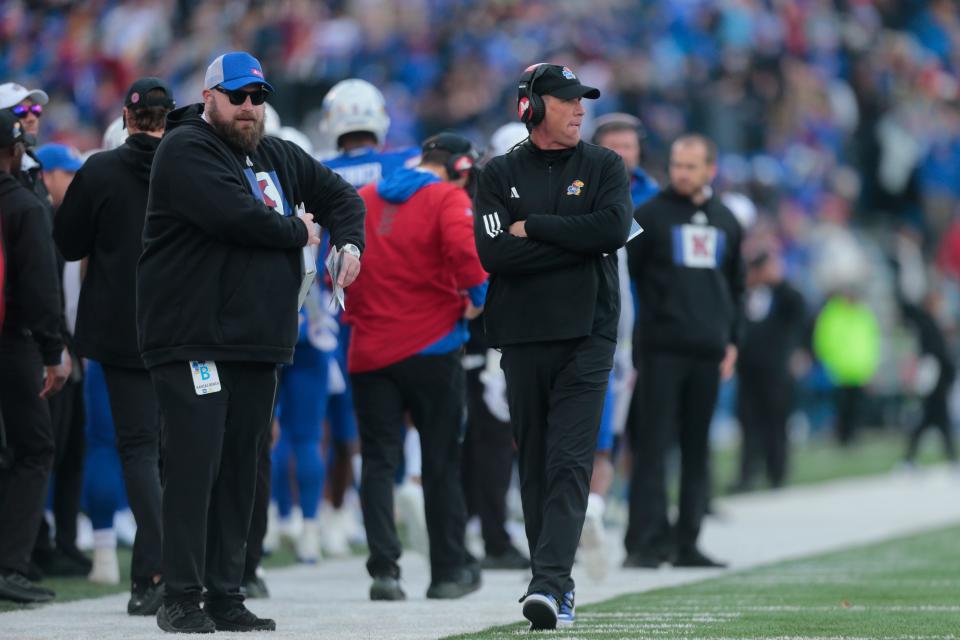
(530,106)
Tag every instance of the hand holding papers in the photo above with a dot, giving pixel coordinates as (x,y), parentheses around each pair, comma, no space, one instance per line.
(308,258)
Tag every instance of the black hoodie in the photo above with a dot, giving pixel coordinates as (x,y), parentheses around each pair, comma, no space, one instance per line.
(689,274)
(32,292)
(220,270)
(101,217)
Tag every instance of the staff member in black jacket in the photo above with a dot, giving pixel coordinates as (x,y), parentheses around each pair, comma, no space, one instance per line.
(217,292)
(551,215)
(775,323)
(689,276)
(31,366)
(101,218)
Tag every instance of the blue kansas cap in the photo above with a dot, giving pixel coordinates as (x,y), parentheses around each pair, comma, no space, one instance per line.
(234,70)
(59,156)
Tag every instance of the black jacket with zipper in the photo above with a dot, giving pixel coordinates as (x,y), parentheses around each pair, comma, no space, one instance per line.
(220,270)
(101,218)
(32,291)
(689,274)
(561,281)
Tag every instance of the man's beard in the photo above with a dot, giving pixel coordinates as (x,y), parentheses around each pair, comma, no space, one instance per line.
(245,138)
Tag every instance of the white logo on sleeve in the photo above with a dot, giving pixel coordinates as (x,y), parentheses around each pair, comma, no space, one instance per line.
(698,247)
(513,192)
(491,224)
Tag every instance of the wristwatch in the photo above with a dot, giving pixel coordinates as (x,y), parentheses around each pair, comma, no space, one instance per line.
(351,249)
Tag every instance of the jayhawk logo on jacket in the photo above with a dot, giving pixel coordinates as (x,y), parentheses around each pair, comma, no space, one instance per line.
(574,188)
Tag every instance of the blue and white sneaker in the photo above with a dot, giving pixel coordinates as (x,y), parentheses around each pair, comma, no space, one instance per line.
(541,610)
(566,614)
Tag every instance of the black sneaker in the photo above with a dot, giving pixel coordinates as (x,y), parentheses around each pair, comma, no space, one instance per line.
(646,559)
(386,588)
(233,616)
(61,563)
(693,557)
(145,598)
(16,588)
(467,582)
(254,588)
(511,559)
(184,617)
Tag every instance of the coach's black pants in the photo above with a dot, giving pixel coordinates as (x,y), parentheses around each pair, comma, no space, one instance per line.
(764,399)
(487,467)
(136,420)
(210,448)
(26,419)
(67,420)
(556,391)
(431,388)
(678,398)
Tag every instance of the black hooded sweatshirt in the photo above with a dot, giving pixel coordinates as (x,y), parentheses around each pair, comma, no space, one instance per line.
(220,270)
(690,276)
(101,218)
(32,291)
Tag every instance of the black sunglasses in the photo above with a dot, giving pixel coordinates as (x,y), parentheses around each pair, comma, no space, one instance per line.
(21,110)
(238,97)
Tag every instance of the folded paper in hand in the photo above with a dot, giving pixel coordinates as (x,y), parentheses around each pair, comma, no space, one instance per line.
(334,266)
(308,265)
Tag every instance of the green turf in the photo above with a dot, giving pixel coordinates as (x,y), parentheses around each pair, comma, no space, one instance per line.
(904,588)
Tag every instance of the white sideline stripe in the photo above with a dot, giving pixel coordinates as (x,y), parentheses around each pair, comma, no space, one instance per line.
(329,600)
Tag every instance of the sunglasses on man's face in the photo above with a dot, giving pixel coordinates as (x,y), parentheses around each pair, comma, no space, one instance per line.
(238,97)
(21,110)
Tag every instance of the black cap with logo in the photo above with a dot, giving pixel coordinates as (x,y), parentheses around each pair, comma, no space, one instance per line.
(137,95)
(560,82)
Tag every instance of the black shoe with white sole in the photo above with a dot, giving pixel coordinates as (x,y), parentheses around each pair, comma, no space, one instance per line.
(386,588)
(541,610)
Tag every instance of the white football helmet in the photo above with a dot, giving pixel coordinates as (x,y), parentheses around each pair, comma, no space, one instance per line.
(354,105)
(507,137)
(115,135)
(271,120)
(296,137)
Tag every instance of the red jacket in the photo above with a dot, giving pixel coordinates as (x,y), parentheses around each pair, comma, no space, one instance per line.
(419,259)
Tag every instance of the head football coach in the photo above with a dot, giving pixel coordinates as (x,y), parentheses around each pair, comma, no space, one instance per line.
(217,287)
(551,214)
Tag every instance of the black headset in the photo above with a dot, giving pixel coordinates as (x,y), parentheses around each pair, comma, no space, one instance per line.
(463,156)
(534,111)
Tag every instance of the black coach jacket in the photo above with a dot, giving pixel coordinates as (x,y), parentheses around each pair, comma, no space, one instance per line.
(561,281)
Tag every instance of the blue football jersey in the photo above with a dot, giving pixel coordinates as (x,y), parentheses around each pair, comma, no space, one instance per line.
(363,166)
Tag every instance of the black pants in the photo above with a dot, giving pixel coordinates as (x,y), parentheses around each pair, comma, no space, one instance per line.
(136,420)
(487,466)
(678,398)
(936,415)
(261,505)
(26,418)
(849,404)
(764,400)
(211,444)
(67,419)
(556,391)
(431,388)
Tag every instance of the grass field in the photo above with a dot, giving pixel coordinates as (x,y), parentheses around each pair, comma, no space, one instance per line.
(900,589)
